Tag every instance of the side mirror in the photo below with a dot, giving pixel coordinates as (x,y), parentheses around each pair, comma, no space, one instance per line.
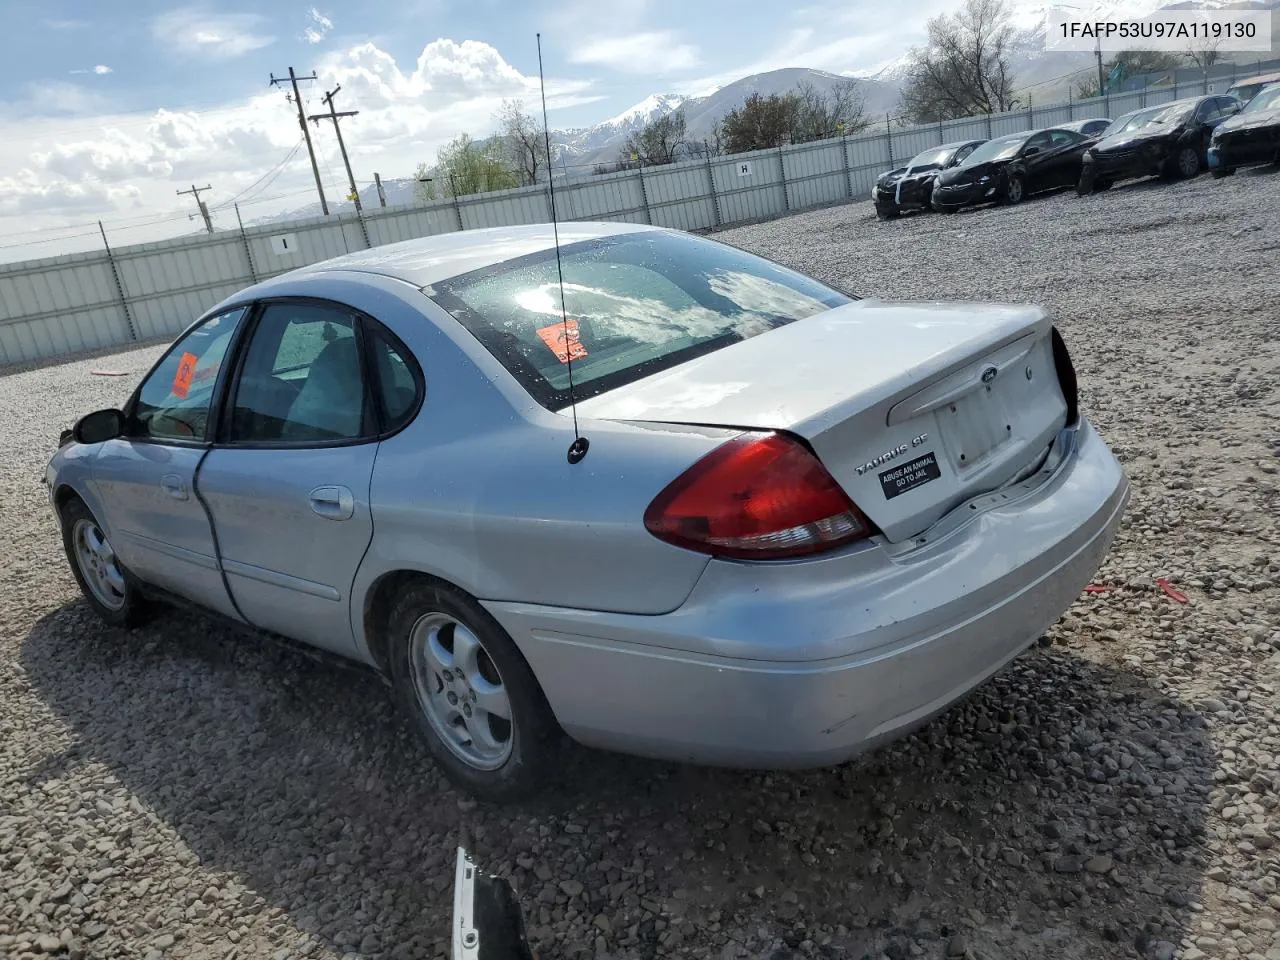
(1030,151)
(98,426)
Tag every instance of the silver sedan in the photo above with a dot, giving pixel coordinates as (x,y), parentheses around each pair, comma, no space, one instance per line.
(683,502)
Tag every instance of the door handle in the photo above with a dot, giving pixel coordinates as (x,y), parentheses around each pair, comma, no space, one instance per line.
(333,502)
(174,486)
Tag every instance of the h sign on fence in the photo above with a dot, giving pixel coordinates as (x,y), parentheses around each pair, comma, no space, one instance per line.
(744,168)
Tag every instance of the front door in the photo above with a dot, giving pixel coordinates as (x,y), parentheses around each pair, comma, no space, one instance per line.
(288,490)
(146,479)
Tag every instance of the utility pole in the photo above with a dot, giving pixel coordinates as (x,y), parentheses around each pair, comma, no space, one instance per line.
(333,115)
(1101,80)
(204,211)
(306,134)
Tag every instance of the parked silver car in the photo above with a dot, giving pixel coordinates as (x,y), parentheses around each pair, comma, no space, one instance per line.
(804,523)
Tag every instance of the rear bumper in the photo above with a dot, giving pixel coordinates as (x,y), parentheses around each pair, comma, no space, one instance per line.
(809,663)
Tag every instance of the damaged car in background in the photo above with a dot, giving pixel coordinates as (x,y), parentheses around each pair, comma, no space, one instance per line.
(1170,140)
(1008,169)
(911,187)
(1250,137)
(636,487)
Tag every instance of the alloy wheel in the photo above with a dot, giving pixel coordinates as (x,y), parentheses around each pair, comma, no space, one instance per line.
(459,689)
(98,565)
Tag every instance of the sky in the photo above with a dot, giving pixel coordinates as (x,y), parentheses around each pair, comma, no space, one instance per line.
(109,108)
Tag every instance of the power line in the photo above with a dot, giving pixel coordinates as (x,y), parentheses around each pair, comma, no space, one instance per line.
(306,134)
(274,172)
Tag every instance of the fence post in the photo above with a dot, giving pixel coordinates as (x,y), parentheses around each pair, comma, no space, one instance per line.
(124,301)
(848,177)
(711,183)
(382,194)
(940,135)
(644,195)
(1031,114)
(248,253)
(457,208)
(888,137)
(782,172)
(988,124)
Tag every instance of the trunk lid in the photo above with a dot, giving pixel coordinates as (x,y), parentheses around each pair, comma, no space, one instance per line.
(914,408)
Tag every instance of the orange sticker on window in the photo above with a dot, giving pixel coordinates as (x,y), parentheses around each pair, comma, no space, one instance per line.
(182,379)
(563,340)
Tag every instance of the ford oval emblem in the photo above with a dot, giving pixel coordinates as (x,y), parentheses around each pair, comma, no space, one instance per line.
(989,374)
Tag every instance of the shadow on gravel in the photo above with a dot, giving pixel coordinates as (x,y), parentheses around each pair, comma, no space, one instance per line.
(1056,813)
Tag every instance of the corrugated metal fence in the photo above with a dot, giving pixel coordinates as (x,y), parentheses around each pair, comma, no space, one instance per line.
(88,301)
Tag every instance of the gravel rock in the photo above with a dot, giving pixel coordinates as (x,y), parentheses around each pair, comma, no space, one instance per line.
(190,781)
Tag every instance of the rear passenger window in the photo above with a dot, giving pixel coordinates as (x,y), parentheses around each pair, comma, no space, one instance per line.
(397,383)
(302,380)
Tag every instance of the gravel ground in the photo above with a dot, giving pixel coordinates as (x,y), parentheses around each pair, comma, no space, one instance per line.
(190,791)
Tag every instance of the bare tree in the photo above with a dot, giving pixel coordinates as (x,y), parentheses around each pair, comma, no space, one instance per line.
(661,140)
(964,69)
(1205,58)
(524,144)
(820,116)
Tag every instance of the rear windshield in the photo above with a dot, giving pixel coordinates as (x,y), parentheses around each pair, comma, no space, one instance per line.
(1145,118)
(931,158)
(636,304)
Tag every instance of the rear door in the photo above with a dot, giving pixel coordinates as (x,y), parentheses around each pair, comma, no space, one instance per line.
(288,485)
(1037,161)
(146,479)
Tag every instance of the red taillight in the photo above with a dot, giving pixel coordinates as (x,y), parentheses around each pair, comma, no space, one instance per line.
(760,497)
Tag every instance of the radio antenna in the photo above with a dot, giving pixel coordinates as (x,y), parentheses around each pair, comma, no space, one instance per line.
(577,449)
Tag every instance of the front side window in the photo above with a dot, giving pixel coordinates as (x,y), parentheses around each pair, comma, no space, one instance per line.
(302,380)
(173,403)
(635,304)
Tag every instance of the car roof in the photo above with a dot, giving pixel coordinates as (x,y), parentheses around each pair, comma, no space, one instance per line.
(427,260)
(1260,78)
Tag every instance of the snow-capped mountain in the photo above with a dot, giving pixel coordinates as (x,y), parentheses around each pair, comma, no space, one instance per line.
(602,142)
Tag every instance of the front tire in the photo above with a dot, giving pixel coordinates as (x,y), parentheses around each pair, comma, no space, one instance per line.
(1014,191)
(1186,162)
(107,586)
(470,693)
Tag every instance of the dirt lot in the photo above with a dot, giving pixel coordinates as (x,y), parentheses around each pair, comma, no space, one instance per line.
(188,791)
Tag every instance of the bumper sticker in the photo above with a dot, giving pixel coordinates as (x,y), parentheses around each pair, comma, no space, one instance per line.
(909,476)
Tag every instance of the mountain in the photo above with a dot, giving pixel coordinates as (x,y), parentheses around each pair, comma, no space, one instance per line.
(602,142)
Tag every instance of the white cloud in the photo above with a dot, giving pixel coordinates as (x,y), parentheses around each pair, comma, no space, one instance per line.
(114,163)
(52,24)
(656,51)
(318,26)
(197,32)
(101,70)
(54,98)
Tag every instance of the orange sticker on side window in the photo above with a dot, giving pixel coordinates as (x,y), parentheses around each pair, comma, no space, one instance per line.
(182,379)
(563,340)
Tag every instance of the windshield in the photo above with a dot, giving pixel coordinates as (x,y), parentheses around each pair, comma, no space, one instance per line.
(1002,148)
(1268,99)
(1169,113)
(636,304)
(931,159)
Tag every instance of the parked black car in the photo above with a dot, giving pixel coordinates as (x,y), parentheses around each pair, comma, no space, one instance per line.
(911,187)
(1090,128)
(1010,168)
(1170,140)
(1251,136)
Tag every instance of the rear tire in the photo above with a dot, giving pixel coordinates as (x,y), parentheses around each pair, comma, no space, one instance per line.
(1221,172)
(110,590)
(1086,185)
(456,672)
(888,214)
